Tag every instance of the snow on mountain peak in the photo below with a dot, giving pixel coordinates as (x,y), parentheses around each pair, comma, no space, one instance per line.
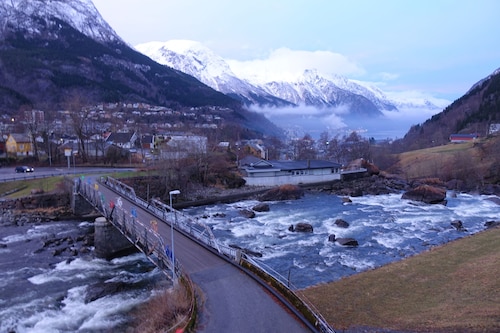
(255,77)
(480,82)
(195,59)
(190,57)
(82,15)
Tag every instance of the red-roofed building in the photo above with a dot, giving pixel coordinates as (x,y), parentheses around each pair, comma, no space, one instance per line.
(456,138)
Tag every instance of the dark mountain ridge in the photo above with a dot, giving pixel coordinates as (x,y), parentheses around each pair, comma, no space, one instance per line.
(472,113)
(45,68)
(54,54)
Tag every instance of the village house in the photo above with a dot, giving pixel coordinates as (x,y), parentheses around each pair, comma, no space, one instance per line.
(457,138)
(176,146)
(19,145)
(124,140)
(257,172)
(2,146)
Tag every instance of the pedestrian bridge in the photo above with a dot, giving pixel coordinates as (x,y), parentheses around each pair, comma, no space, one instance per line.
(183,247)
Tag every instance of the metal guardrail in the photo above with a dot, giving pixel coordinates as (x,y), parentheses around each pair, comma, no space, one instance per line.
(192,227)
(36,175)
(142,236)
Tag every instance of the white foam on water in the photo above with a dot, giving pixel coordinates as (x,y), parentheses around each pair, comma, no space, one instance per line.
(387,228)
(77,316)
(297,263)
(19,317)
(475,206)
(354,262)
(82,268)
(390,240)
(35,232)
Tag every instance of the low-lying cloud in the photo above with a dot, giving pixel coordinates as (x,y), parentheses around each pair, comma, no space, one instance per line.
(336,121)
(284,64)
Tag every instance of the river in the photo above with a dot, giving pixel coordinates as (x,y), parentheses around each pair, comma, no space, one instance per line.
(43,292)
(40,292)
(386,227)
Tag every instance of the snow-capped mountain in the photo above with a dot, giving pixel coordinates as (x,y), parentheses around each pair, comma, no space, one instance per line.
(314,89)
(195,59)
(82,15)
(311,88)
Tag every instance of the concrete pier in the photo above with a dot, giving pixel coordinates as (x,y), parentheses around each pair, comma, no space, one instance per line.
(108,241)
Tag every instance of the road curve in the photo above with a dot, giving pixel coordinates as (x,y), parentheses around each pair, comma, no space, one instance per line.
(232,301)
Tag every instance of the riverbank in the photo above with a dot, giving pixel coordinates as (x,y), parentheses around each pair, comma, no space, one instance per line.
(327,188)
(450,288)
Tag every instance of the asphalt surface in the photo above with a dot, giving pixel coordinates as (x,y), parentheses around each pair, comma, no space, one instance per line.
(232,301)
(8,173)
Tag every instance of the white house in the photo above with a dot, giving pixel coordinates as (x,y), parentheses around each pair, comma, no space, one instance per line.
(181,145)
(273,173)
(122,140)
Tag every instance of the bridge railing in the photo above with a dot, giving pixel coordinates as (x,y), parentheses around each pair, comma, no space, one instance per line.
(282,284)
(203,233)
(193,227)
(141,235)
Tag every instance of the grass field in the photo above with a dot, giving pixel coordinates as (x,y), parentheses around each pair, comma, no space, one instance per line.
(468,160)
(451,288)
(22,188)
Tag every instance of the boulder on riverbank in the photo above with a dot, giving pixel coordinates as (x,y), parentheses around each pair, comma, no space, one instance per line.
(261,207)
(341,223)
(492,224)
(249,214)
(102,289)
(343,241)
(301,227)
(457,224)
(382,183)
(283,192)
(427,194)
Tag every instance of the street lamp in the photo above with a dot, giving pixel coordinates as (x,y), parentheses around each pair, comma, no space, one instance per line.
(171,193)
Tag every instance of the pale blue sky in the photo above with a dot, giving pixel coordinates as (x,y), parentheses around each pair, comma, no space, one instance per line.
(435,47)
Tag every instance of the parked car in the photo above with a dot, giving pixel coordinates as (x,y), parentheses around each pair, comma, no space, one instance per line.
(24,168)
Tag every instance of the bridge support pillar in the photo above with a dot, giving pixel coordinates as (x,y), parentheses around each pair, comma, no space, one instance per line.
(80,206)
(108,241)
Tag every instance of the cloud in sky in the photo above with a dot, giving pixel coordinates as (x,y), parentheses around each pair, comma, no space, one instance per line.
(384,76)
(285,64)
(436,46)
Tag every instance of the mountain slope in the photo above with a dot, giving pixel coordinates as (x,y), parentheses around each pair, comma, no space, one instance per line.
(471,113)
(52,51)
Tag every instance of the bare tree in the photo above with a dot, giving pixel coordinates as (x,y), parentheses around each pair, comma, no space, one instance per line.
(79,116)
(334,149)
(355,146)
(274,147)
(305,148)
(32,128)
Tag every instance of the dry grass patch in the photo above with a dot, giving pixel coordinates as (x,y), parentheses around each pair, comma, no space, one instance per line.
(163,312)
(446,162)
(452,288)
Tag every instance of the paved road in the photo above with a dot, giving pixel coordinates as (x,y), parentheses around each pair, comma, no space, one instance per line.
(232,301)
(8,173)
